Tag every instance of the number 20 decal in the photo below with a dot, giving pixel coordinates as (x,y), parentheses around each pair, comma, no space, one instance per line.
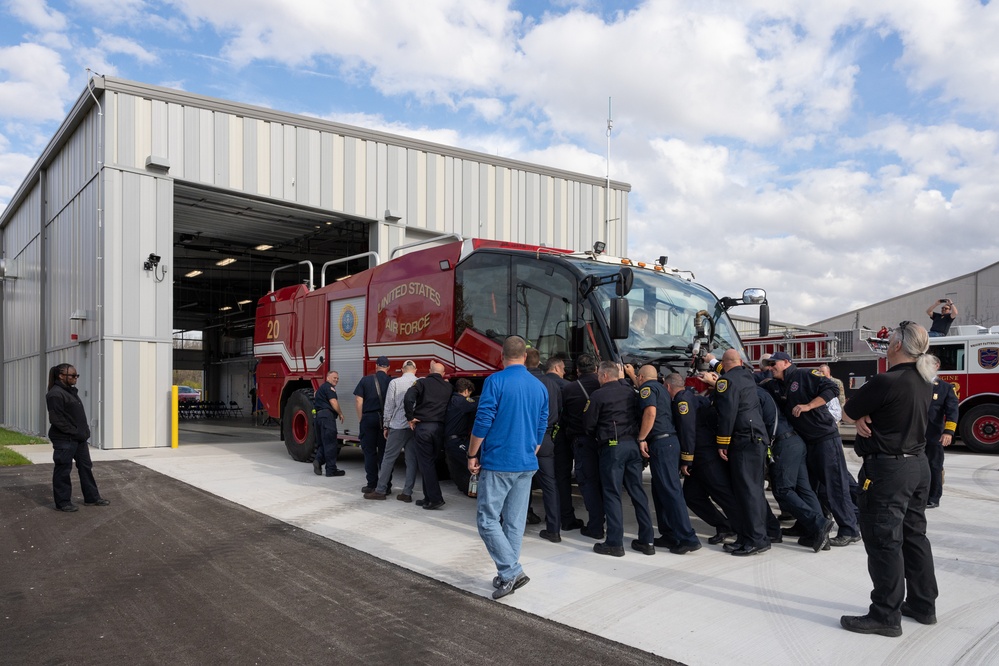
(273,329)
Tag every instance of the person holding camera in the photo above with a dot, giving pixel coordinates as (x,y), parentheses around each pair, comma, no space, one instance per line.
(943,319)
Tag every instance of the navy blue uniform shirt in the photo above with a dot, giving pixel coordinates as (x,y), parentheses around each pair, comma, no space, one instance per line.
(654,394)
(799,387)
(943,411)
(460,415)
(321,401)
(373,403)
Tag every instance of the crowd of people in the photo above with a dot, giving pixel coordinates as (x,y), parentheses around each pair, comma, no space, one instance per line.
(711,452)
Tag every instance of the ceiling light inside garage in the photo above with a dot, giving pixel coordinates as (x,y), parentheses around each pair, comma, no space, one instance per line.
(244,302)
(225,308)
(225,262)
(263,247)
(194,273)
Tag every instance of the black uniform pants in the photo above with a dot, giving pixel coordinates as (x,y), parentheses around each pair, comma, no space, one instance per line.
(710,479)
(791,488)
(746,459)
(426,437)
(588,477)
(64,453)
(456,455)
(935,457)
(372,445)
(832,482)
(672,516)
(621,466)
(563,479)
(892,498)
(545,478)
(327,444)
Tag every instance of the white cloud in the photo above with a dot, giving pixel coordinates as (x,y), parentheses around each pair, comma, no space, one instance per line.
(35,83)
(109,50)
(37,14)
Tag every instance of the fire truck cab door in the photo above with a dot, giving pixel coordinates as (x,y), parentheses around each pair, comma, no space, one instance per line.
(346,356)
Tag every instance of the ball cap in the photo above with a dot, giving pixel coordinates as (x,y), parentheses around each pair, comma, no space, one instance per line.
(382,362)
(780,356)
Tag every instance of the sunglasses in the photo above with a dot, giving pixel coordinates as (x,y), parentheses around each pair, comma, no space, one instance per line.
(901,330)
(73,376)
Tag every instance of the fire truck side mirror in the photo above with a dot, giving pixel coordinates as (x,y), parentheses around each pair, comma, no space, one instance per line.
(626,281)
(764,319)
(619,318)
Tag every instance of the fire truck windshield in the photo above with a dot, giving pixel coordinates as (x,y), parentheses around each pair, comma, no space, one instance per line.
(663,310)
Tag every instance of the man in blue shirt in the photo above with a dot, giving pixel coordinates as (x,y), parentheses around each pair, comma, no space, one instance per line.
(509,426)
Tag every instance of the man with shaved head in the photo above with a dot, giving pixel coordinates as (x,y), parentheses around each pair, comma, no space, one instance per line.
(426,407)
(658,442)
(742,441)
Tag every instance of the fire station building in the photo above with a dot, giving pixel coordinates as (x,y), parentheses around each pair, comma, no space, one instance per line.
(154,220)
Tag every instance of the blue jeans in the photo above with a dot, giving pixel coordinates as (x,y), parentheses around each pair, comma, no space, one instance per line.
(503,495)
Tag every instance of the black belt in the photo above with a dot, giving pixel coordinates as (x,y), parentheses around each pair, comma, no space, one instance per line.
(894,456)
(789,433)
(662,436)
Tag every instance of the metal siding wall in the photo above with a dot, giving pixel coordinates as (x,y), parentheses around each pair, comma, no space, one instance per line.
(138,310)
(447,221)
(220,152)
(234,157)
(310,171)
(468,225)
(263,158)
(290,159)
(192,144)
(340,181)
(249,154)
(143,119)
(176,140)
(328,174)
(206,146)
(159,129)
(277,160)
(350,162)
(372,173)
(415,213)
(22,298)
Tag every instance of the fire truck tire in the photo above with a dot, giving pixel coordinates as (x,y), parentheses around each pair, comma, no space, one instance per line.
(980,429)
(299,435)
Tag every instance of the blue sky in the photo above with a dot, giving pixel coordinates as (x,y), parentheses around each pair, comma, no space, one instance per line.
(813,148)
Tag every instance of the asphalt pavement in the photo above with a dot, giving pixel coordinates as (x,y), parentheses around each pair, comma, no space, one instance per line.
(169,574)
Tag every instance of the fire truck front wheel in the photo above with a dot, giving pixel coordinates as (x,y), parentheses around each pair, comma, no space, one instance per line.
(299,435)
(980,429)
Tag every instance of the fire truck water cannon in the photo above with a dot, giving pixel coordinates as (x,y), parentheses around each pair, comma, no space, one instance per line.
(456,302)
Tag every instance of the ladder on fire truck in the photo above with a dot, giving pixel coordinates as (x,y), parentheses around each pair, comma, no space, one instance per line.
(810,348)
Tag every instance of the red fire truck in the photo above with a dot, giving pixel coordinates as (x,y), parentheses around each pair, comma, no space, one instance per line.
(969,359)
(455,303)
